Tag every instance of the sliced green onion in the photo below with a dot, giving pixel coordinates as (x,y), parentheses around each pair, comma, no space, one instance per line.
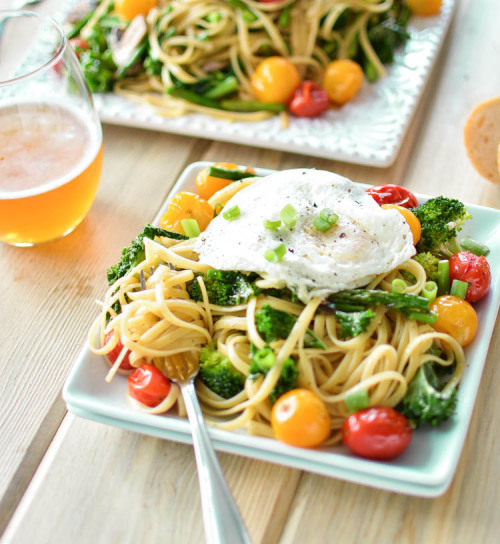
(191,227)
(430,318)
(289,216)
(231,214)
(459,288)
(399,286)
(272,225)
(321,224)
(275,255)
(358,400)
(443,277)
(479,249)
(225,173)
(329,216)
(430,290)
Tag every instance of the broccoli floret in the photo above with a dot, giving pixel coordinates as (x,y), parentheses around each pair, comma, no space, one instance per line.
(441,219)
(353,323)
(425,402)
(273,324)
(224,287)
(262,362)
(430,263)
(218,374)
(134,253)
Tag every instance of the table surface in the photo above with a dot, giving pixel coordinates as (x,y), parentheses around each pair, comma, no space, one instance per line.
(65,479)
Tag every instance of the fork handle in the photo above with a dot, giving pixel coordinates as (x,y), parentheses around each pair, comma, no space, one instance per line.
(221,517)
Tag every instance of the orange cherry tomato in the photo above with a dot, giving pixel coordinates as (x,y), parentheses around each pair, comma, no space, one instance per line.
(342,80)
(128,9)
(185,205)
(300,418)
(425,8)
(410,218)
(274,80)
(207,185)
(456,317)
(148,385)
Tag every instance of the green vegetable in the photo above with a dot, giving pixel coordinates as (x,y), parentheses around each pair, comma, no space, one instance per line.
(223,88)
(479,249)
(192,96)
(353,323)
(441,219)
(357,401)
(429,263)
(272,225)
(251,105)
(273,324)
(233,175)
(191,227)
(443,279)
(430,290)
(425,400)
(459,288)
(325,220)
(134,253)
(399,286)
(289,216)
(218,374)
(262,362)
(275,255)
(231,213)
(224,287)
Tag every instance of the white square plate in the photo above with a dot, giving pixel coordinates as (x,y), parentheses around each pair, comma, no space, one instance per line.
(368,130)
(426,469)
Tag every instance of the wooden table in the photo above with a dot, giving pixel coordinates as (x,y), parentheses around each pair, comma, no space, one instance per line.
(67,480)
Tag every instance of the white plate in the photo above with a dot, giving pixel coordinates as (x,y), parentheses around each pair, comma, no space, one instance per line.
(369,130)
(426,469)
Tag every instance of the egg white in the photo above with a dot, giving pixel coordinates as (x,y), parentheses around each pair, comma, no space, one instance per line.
(366,240)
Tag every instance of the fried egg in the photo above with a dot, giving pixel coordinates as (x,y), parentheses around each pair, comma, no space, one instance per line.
(365,241)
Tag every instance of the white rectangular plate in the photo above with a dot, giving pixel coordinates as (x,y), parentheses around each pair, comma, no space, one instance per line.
(426,469)
(369,130)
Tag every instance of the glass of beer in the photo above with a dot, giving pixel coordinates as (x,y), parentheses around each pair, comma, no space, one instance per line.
(50,134)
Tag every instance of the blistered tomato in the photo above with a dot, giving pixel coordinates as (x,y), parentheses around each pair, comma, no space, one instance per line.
(185,205)
(410,218)
(115,352)
(378,432)
(300,418)
(274,80)
(393,194)
(455,317)
(148,385)
(207,185)
(474,270)
(342,80)
(309,100)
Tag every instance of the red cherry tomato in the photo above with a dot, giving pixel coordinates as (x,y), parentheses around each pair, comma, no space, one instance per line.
(148,385)
(115,352)
(309,100)
(474,270)
(393,194)
(78,45)
(378,432)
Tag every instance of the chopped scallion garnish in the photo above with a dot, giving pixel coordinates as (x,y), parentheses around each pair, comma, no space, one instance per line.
(459,288)
(325,220)
(399,286)
(231,213)
(289,216)
(275,255)
(430,290)
(191,227)
(359,400)
(443,277)
(272,225)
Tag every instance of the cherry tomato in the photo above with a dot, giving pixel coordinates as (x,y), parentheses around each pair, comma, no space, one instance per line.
(309,100)
(115,352)
(342,80)
(410,218)
(393,194)
(425,7)
(128,9)
(207,185)
(300,418)
(274,80)
(455,317)
(148,385)
(378,432)
(79,46)
(474,270)
(185,205)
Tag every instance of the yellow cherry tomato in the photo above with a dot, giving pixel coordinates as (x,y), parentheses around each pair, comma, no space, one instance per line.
(185,205)
(128,9)
(342,80)
(300,418)
(274,80)
(425,7)
(456,317)
(208,185)
(410,218)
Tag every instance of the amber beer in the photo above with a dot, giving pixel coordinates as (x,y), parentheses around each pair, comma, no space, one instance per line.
(50,167)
